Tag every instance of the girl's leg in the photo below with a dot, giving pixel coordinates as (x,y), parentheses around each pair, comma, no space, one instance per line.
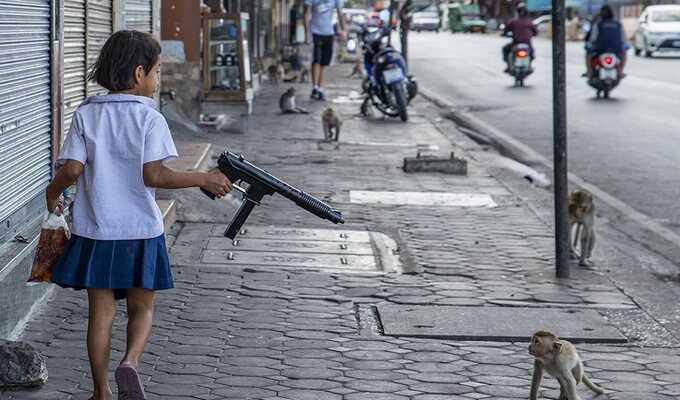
(101,315)
(140,319)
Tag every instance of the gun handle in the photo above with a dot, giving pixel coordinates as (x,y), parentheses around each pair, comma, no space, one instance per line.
(207,193)
(240,218)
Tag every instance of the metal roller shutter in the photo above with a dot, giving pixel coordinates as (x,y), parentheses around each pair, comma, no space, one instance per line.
(99,25)
(138,15)
(25,102)
(75,64)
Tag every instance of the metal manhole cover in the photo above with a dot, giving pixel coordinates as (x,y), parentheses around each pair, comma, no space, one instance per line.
(498,324)
(362,251)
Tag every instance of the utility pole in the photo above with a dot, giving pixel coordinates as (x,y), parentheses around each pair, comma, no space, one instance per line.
(404,27)
(560,139)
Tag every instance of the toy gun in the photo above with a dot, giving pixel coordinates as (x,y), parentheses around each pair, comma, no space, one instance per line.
(261,183)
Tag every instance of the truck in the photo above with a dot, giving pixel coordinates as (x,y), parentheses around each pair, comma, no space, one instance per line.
(466,18)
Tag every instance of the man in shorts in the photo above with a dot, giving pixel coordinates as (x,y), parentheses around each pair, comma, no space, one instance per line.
(319,21)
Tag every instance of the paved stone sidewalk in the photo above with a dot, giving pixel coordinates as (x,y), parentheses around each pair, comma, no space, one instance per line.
(234,331)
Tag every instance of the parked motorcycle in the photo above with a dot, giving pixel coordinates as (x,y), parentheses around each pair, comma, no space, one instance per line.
(520,63)
(387,86)
(605,75)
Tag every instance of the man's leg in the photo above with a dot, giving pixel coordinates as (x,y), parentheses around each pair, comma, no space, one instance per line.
(316,74)
(316,59)
(320,81)
(506,56)
(326,57)
(622,64)
(589,65)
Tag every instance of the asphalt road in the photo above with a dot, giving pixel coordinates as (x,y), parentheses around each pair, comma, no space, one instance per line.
(628,146)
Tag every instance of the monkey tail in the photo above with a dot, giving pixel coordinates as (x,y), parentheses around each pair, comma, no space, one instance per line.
(595,388)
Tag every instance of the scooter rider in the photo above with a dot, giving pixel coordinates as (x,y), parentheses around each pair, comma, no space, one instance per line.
(606,35)
(522,29)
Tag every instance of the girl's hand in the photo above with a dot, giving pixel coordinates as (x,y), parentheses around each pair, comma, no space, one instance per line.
(55,206)
(216,183)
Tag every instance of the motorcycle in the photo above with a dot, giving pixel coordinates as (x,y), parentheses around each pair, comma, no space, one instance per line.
(520,63)
(605,75)
(387,86)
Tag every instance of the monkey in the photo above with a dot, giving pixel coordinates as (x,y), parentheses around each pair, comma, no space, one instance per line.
(280,72)
(276,73)
(559,359)
(259,65)
(358,70)
(287,103)
(582,223)
(332,123)
(302,76)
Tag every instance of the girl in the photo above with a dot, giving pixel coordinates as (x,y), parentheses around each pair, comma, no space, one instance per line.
(115,151)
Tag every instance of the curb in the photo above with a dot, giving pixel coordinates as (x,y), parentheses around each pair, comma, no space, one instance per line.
(511,147)
(485,133)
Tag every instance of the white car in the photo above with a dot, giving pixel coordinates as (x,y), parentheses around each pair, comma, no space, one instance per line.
(543,24)
(425,21)
(658,30)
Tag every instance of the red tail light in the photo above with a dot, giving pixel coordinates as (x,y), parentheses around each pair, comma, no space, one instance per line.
(608,60)
(521,53)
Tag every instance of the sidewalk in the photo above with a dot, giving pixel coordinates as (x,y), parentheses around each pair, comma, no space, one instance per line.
(293,311)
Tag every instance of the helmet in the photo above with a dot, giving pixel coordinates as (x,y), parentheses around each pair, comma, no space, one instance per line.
(521,8)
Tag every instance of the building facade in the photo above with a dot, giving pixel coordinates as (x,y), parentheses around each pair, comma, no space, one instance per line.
(46,49)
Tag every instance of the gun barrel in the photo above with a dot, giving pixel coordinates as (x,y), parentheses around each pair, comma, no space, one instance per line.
(231,161)
(318,208)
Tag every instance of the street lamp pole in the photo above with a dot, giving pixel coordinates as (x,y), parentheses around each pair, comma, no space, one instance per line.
(560,139)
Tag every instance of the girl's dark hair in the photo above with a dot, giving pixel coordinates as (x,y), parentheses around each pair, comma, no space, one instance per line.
(122,53)
(606,12)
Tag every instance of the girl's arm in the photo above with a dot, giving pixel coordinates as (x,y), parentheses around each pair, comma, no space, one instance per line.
(159,176)
(66,176)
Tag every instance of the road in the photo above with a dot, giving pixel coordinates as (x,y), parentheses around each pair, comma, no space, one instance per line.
(628,146)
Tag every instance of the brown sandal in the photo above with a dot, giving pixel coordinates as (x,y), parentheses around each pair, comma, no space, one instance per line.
(129,385)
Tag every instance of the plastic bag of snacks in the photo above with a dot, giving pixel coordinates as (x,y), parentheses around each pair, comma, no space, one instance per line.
(54,237)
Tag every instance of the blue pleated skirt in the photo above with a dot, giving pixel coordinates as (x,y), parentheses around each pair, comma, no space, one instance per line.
(114,264)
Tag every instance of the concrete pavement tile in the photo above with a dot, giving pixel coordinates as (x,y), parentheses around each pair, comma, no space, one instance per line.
(310,373)
(244,393)
(176,390)
(375,396)
(316,384)
(298,394)
(246,381)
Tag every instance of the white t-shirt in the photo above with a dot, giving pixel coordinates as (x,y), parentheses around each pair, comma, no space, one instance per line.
(113,136)
(322,15)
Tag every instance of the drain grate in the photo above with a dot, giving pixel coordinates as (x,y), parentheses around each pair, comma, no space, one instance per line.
(304,248)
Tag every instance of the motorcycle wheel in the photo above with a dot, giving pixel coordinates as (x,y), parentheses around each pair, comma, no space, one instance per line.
(364,109)
(402,103)
(382,105)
